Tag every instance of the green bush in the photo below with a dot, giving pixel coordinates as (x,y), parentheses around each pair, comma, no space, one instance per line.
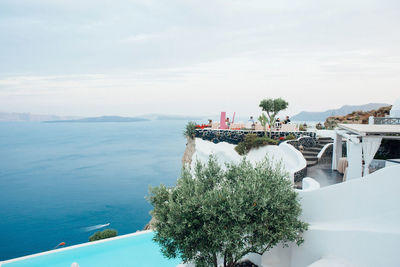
(253,141)
(226,213)
(190,129)
(319,126)
(103,234)
(303,127)
(290,137)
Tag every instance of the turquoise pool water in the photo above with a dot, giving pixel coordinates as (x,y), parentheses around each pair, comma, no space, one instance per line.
(133,250)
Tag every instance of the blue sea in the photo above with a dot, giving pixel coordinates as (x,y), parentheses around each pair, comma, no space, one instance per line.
(59,179)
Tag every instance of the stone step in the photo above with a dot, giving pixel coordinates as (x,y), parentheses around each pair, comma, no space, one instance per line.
(310,158)
(325,138)
(311,163)
(323,143)
(310,153)
(313,149)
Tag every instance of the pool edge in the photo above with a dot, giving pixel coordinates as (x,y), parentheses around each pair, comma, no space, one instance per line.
(74,246)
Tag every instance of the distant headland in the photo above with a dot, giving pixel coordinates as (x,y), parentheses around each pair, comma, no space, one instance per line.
(321,116)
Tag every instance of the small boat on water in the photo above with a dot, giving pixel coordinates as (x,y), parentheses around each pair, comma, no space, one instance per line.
(95,227)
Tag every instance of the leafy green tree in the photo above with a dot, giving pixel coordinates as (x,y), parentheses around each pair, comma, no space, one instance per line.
(216,213)
(272,108)
(103,234)
(264,122)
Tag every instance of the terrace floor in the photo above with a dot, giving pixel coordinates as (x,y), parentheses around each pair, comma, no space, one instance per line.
(324,175)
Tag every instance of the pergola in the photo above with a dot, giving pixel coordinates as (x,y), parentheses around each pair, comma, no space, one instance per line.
(363,141)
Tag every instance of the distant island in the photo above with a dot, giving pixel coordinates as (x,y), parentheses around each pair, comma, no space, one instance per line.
(165,117)
(14,116)
(101,119)
(321,116)
(21,117)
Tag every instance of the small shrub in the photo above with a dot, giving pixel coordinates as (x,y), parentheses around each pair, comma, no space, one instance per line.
(290,137)
(241,149)
(303,127)
(319,126)
(253,141)
(190,129)
(103,234)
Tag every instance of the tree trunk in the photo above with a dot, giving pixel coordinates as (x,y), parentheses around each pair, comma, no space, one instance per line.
(215,260)
(225,259)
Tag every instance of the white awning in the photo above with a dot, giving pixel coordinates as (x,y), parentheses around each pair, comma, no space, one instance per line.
(384,130)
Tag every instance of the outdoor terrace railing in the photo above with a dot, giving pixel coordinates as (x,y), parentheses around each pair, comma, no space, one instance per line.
(236,136)
(385,120)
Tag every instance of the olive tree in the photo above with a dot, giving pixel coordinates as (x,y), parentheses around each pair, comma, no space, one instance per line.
(272,108)
(214,213)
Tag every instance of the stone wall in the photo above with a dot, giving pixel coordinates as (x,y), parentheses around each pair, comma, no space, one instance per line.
(305,141)
(327,154)
(236,136)
(299,175)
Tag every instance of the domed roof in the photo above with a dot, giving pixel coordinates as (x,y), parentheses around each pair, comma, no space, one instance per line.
(395,111)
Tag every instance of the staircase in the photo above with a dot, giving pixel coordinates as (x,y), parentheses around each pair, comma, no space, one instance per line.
(311,153)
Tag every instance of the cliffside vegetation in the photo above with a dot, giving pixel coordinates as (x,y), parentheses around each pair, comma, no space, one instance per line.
(215,213)
(190,130)
(356,117)
(103,234)
(253,141)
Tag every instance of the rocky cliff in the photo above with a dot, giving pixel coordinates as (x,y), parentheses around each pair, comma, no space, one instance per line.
(189,151)
(356,117)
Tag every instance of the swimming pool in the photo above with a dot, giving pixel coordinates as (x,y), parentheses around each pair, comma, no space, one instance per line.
(136,250)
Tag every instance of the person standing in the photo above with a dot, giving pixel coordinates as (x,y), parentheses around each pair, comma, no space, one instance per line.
(252,123)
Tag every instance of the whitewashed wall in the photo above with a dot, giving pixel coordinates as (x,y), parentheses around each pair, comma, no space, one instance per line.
(291,158)
(356,223)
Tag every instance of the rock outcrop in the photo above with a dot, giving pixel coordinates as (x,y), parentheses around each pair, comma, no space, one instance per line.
(189,151)
(150,225)
(356,117)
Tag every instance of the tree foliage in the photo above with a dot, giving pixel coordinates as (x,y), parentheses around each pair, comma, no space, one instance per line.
(264,122)
(272,108)
(190,129)
(103,234)
(253,141)
(216,213)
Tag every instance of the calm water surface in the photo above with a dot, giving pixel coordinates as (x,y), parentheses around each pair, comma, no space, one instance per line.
(58,179)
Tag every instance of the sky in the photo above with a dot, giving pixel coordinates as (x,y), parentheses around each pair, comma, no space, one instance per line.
(186,57)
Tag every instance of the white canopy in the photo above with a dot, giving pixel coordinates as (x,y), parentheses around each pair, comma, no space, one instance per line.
(363,141)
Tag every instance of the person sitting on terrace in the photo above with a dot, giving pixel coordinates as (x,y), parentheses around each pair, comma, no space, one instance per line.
(228,122)
(209,123)
(287,120)
(278,124)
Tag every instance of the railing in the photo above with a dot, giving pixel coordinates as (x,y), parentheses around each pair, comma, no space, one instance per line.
(385,120)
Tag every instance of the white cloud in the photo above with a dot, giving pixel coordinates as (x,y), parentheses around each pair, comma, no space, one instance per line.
(140,38)
(132,57)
